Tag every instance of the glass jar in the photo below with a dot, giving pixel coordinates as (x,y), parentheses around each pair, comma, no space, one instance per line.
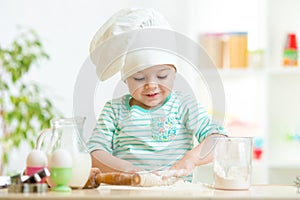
(232,163)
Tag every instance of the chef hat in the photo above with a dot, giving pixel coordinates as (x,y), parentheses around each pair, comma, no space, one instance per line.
(104,47)
(142,59)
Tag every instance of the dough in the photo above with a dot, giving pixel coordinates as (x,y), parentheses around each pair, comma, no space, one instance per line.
(151,179)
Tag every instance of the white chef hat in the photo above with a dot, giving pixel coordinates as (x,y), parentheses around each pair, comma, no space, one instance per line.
(103,47)
(144,58)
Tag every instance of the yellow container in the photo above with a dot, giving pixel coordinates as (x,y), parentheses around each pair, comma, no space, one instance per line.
(237,50)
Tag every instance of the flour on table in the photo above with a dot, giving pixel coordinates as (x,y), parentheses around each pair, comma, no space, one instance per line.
(150,179)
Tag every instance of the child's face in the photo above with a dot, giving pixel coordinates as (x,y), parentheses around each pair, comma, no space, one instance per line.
(150,87)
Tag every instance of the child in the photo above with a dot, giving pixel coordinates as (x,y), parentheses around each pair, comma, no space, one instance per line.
(153,127)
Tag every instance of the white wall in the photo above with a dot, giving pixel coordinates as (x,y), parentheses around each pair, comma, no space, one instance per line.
(66,29)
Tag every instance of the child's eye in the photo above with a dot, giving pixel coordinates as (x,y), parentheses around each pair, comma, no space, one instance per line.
(138,79)
(162,77)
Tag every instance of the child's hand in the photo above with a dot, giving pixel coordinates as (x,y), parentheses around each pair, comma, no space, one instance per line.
(185,165)
(91,182)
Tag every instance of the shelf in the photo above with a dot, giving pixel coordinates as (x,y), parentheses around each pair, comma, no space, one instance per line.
(242,72)
(285,71)
(250,71)
(284,166)
(234,73)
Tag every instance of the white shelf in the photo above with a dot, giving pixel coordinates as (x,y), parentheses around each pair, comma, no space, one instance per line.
(285,71)
(240,72)
(250,71)
(284,166)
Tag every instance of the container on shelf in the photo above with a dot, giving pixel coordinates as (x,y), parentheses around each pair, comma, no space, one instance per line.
(290,53)
(256,58)
(227,50)
(257,148)
(214,44)
(238,49)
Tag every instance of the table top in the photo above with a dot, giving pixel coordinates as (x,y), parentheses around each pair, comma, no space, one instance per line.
(186,192)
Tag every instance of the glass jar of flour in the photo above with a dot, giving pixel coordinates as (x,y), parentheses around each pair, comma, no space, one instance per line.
(232,163)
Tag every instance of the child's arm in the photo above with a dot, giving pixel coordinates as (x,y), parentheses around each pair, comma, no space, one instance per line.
(100,143)
(102,162)
(199,155)
(109,163)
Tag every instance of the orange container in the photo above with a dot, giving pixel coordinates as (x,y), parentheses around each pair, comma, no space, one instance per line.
(237,50)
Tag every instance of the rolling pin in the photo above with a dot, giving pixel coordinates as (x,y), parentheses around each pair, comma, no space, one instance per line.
(134,179)
(117,178)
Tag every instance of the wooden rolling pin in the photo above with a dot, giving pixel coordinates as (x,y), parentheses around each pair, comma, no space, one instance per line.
(117,178)
(134,179)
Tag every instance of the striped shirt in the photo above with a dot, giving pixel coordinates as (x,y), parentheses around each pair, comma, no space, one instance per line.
(151,139)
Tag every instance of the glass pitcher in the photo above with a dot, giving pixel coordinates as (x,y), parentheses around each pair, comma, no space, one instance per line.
(65,133)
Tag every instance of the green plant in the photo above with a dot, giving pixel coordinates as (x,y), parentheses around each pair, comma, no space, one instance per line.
(24,108)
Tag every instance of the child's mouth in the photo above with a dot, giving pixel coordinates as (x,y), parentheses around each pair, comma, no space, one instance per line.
(151,95)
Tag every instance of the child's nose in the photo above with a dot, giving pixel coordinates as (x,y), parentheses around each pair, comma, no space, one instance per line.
(150,86)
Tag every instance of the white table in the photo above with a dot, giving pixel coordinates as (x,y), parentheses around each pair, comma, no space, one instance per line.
(186,192)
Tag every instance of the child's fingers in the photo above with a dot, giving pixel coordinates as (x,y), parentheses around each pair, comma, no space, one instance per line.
(174,173)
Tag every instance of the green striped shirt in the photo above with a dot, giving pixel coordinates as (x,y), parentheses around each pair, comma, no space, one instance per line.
(151,139)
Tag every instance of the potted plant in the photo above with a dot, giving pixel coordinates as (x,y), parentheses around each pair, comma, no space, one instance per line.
(24,108)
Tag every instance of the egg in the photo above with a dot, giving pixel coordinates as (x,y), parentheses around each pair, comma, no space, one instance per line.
(36,158)
(60,158)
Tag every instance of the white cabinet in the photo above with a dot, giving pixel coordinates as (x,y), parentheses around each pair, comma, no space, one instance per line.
(283,125)
(268,99)
(283,94)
